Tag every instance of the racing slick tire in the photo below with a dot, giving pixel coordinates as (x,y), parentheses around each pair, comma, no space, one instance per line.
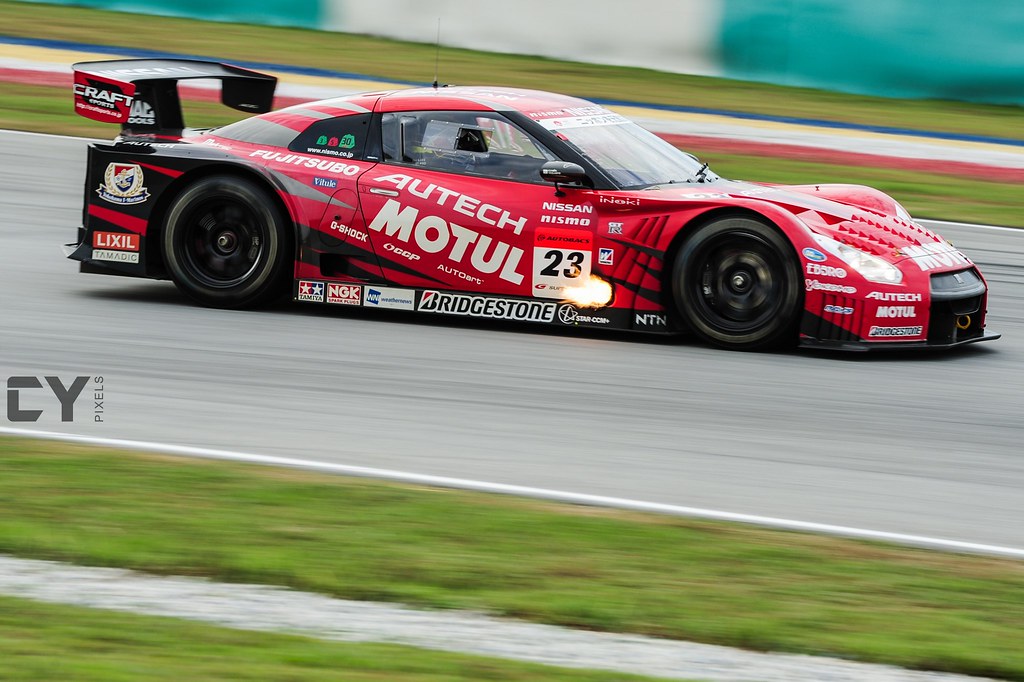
(226,243)
(736,283)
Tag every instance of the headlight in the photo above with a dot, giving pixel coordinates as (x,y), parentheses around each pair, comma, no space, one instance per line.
(871,268)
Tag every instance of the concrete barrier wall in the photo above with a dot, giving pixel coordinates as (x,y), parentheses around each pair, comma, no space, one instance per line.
(951,49)
(669,35)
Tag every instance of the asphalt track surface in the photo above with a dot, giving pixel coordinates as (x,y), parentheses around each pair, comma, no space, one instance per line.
(924,443)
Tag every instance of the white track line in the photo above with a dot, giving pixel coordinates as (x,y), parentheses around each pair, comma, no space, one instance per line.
(526,491)
(935,221)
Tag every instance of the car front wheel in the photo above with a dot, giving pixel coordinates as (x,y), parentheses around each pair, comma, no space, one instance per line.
(736,284)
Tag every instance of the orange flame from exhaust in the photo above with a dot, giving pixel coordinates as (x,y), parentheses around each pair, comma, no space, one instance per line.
(594,294)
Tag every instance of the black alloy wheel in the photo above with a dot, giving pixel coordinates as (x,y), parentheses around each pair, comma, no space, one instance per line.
(226,244)
(736,284)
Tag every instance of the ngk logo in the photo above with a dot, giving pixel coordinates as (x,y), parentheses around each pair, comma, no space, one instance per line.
(115,241)
(345,294)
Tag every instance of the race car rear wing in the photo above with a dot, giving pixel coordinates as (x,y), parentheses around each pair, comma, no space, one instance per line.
(142,94)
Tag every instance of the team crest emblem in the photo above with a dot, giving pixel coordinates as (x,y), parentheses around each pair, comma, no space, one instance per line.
(122,184)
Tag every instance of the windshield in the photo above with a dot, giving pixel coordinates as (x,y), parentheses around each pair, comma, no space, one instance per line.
(632,156)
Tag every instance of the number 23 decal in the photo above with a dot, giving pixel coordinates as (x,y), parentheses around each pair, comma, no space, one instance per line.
(556,270)
(555,257)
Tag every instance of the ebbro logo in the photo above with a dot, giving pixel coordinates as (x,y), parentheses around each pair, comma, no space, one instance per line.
(122,184)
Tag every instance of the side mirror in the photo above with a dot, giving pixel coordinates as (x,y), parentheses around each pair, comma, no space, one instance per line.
(562,173)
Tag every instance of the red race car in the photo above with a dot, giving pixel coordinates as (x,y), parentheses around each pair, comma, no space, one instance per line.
(497,203)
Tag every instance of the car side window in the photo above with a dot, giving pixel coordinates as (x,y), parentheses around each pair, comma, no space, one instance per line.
(344,137)
(469,142)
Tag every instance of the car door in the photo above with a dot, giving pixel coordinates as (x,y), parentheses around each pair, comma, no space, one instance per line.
(457,203)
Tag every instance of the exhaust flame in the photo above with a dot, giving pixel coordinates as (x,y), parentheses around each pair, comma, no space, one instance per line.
(594,294)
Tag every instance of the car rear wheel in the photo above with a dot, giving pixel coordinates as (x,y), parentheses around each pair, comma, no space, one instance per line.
(226,244)
(736,284)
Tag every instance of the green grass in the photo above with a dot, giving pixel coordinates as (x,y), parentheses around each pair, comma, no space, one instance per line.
(927,195)
(52,642)
(575,566)
(415,62)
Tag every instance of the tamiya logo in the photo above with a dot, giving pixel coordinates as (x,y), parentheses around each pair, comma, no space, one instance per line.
(483,306)
(606,256)
(311,291)
(122,184)
(344,294)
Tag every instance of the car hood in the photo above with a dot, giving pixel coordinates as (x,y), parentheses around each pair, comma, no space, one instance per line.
(859,216)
